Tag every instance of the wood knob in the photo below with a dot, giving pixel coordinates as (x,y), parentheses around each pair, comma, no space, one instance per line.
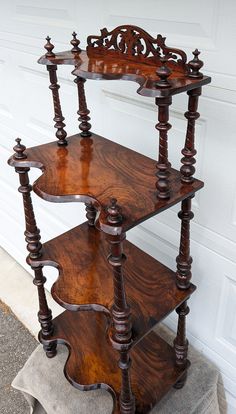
(75,43)
(19,150)
(195,65)
(163,72)
(49,47)
(114,216)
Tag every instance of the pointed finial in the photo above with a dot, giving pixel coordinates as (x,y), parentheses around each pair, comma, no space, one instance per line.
(75,43)
(195,65)
(163,72)
(49,47)
(19,150)
(114,216)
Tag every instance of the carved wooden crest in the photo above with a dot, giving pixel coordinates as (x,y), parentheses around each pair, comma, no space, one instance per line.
(136,44)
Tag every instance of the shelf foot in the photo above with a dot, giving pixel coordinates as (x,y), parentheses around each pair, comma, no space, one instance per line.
(181,342)
(182,381)
(50,349)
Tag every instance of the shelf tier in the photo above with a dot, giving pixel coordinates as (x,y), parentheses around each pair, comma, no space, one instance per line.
(97,169)
(85,279)
(108,67)
(93,363)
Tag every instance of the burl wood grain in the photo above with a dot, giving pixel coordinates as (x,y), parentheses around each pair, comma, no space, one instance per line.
(96,169)
(113,68)
(85,278)
(93,363)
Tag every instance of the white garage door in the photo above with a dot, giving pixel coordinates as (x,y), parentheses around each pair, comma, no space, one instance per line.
(26,111)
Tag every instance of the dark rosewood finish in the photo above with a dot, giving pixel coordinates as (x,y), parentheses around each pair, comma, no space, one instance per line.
(93,362)
(58,118)
(195,65)
(75,43)
(184,260)
(181,342)
(32,237)
(187,170)
(87,170)
(121,332)
(83,111)
(128,291)
(163,164)
(130,53)
(151,290)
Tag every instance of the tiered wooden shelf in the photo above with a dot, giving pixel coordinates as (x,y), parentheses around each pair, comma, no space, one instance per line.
(85,281)
(95,169)
(123,292)
(93,363)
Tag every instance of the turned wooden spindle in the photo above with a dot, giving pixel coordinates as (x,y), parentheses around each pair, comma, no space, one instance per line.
(83,110)
(44,314)
(184,260)
(181,342)
(58,118)
(90,213)
(187,170)
(121,331)
(195,65)
(32,237)
(163,164)
(75,43)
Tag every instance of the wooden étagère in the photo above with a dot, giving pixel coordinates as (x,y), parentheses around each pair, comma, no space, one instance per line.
(123,292)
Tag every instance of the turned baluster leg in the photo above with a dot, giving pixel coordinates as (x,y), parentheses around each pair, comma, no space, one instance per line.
(181,343)
(121,315)
(184,260)
(32,237)
(83,111)
(187,170)
(163,165)
(91,213)
(59,118)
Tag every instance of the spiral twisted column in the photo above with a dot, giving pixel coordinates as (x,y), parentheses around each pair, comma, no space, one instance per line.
(163,164)
(121,330)
(83,111)
(58,118)
(187,170)
(32,237)
(184,260)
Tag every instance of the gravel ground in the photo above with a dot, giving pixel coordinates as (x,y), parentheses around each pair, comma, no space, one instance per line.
(16,345)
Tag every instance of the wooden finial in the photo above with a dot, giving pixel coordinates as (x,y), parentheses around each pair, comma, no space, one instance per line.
(114,216)
(75,43)
(163,72)
(195,65)
(49,47)
(19,150)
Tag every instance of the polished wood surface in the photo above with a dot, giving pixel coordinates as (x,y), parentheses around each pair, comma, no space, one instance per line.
(96,169)
(85,278)
(93,363)
(110,68)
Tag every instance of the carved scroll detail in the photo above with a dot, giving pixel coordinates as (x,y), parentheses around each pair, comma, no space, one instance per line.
(135,43)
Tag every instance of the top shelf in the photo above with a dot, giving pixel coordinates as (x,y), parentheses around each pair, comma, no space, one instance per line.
(129,53)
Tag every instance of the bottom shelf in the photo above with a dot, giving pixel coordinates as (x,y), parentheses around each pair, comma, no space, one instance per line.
(93,363)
